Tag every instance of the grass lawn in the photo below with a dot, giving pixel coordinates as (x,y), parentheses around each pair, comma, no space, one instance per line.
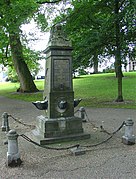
(96,90)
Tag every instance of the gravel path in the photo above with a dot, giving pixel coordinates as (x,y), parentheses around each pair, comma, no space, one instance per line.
(111,160)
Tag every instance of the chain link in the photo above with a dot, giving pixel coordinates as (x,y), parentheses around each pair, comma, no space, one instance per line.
(77,145)
(47,147)
(69,147)
(17,120)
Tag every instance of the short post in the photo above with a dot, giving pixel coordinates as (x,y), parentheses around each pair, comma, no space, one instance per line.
(129,137)
(77,151)
(13,155)
(5,123)
(82,113)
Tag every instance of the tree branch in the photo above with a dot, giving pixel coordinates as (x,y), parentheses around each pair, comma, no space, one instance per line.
(7,50)
(121,3)
(5,63)
(48,2)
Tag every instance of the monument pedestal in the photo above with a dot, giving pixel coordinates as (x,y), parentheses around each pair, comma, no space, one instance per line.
(57,130)
(59,124)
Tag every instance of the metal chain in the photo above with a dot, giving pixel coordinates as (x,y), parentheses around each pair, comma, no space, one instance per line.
(106,140)
(17,120)
(87,118)
(70,147)
(47,147)
(77,145)
(76,111)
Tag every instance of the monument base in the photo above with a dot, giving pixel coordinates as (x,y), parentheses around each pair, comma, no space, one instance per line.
(50,131)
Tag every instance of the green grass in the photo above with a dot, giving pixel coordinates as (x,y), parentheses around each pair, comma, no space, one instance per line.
(101,90)
(96,90)
(9,89)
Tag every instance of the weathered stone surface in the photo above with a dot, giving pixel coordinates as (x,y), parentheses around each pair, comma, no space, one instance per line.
(59,126)
(59,122)
(58,37)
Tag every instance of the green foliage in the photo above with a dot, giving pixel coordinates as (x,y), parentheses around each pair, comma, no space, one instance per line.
(91,27)
(4,48)
(12,75)
(15,12)
(101,29)
(84,30)
(82,71)
(32,60)
(41,21)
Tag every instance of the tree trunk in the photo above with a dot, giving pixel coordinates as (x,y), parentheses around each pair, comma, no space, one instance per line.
(118,53)
(95,62)
(24,75)
(116,67)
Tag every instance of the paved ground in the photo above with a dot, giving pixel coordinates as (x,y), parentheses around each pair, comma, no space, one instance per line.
(111,160)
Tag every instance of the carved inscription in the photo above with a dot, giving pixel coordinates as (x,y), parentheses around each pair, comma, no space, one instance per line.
(61,74)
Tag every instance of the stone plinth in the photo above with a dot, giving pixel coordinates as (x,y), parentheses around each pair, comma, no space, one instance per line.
(61,129)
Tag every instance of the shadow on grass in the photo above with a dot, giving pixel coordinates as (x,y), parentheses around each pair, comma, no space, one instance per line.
(96,103)
(19,93)
(81,77)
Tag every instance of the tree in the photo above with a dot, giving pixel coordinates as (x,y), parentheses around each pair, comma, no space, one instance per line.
(102,28)
(118,51)
(13,14)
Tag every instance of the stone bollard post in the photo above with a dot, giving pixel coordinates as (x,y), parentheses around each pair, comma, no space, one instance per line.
(82,113)
(129,138)
(13,155)
(5,123)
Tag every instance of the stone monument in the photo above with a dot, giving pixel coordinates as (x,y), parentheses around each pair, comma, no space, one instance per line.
(58,122)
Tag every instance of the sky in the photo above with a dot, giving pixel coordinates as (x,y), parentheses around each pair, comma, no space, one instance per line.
(33,32)
(38,45)
(41,43)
